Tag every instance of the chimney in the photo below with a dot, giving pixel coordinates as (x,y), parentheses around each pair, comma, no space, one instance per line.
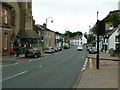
(44,25)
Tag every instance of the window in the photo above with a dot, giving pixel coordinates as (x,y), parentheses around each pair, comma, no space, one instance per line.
(5,16)
(106,40)
(29,4)
(5,41)
(20,4)
(116,39)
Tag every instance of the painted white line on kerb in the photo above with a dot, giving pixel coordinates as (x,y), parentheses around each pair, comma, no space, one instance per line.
(91,65)
(13,76)
(85,65)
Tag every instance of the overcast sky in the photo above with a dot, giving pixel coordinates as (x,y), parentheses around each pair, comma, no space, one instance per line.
(75,15)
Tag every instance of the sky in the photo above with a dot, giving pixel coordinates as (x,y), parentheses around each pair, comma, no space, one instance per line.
(72,15)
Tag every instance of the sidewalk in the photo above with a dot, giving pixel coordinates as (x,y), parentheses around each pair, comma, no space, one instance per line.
(104,77)
(103,56)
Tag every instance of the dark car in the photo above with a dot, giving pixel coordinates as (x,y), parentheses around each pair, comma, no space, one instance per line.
(35,53)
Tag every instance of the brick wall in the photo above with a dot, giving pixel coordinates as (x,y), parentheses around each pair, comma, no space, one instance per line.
(5,29)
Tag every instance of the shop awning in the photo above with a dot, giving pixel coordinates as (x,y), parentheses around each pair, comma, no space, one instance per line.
(28,34)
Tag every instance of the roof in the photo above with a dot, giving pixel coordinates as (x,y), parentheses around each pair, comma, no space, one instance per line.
(28,34)
(110,32)
(40,27)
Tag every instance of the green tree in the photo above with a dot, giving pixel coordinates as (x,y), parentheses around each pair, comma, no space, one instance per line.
(70,34)
(113,17)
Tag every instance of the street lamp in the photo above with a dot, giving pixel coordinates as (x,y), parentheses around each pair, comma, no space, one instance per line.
(97,56)
(47,20)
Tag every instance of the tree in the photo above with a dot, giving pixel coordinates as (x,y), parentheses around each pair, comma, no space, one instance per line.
(93,29)
(113,17)
(70,34)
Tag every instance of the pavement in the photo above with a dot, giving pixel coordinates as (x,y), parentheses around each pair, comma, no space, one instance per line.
(104,77)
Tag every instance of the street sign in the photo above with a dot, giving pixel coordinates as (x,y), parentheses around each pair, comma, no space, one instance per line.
(100,27)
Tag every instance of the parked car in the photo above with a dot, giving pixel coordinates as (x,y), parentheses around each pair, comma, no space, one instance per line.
(49,50)
(56,49)
(79,48)
(35,53)
(66,46)
(93,50)
(59,48)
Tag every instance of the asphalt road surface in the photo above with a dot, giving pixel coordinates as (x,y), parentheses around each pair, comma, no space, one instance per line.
(59,70)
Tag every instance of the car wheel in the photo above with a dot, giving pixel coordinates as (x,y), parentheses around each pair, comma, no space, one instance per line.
(25,56)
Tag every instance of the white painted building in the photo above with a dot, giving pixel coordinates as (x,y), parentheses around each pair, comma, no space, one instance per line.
(59,40)
(113,40)
(110,40)
(78,40)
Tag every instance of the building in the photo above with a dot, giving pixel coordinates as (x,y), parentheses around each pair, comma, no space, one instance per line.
(113,40)
(109,40)
(59,39)
(17,22)
(78,40)
(49,38)
(27,34)
(5,28)
(40,30)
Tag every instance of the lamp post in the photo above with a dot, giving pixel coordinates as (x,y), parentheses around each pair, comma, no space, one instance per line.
(47,20)
(97,56)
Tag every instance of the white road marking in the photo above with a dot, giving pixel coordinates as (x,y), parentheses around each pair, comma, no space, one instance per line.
(15,63)
(85,65)
(13,76)
(6,65)
(91,65)
(40,66)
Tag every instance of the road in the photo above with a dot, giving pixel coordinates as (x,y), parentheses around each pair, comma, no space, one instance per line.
(59,70)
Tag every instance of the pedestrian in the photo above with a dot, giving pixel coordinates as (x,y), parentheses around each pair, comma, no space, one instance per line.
(12,51)
(17,51)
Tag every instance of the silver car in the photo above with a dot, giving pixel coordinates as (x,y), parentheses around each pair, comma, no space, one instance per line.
(93,50)
(49,50)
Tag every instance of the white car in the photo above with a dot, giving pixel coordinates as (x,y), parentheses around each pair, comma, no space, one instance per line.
(49,50)
(79,48)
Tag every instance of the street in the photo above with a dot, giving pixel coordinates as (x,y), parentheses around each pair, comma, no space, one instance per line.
(59,70)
